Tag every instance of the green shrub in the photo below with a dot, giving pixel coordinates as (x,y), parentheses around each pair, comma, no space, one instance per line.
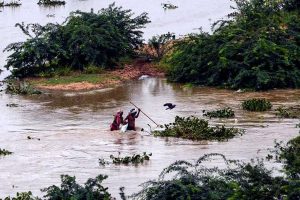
(84,39)
(222,113)
(257,105)
(69,189)
(258,47)
(290,112)
(197,129)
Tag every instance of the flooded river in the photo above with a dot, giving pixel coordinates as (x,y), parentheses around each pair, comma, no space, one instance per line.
(73,127)
(73,132)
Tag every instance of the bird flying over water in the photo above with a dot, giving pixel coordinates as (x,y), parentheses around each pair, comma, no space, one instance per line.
(170,106)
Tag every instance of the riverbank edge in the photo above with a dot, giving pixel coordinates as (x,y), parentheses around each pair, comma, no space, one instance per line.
(111,78)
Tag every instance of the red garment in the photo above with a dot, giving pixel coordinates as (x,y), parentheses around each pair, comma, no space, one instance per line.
(131,120)
(118,120)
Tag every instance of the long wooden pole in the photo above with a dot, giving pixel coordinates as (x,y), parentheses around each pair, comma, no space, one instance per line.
(144,113)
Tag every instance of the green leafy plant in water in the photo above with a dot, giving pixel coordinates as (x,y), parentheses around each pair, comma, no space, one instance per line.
(21,87)
(4,152)
(197,129)
(51,2)
(288,112)
(10,4)
(222,113)
(134,159)
(257,105)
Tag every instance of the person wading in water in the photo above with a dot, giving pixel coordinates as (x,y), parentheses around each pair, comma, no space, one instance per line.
(118,120)
(130,119)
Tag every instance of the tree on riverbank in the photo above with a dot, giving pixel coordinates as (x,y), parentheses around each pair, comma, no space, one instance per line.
(258,47)
(84,39)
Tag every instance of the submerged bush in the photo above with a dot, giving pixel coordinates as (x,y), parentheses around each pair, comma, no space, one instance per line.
(84,39)
(70,189)
(290,112)
(197,129)
(222,113)
(257,105)
(258,47)
(4,152)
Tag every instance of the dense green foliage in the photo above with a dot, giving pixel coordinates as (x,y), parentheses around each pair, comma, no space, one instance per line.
(10,4)
(221,113)
(4,152)
(84,39)
(289,155)
(258,47)
(257,105)
(288,112)
(197,129)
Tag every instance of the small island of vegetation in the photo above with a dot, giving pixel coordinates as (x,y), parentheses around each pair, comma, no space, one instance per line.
(256,105)
(194,128)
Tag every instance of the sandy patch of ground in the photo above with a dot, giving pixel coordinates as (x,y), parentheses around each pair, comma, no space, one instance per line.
(129,72)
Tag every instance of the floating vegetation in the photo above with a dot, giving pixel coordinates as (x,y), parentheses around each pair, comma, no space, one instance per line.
(99,39)
(257,105)
(168,6)
(12,105)
(243,50)
(21,87)
(10,4)
(4,152)
(51,2)
(134,159)
(288,112)
(222,113)
(197,129)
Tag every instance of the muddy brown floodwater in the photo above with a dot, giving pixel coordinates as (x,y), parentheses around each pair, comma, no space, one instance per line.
(73,132)
(73,127)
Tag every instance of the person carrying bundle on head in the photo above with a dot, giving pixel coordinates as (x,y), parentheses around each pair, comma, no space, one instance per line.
(130,119)
(118,120)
